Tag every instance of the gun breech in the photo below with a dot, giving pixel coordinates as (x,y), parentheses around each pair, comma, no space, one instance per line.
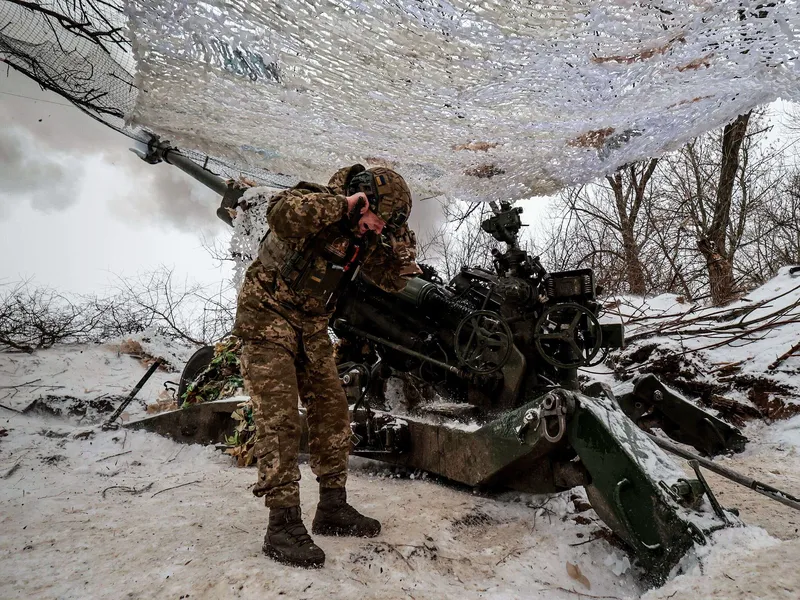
(344,326)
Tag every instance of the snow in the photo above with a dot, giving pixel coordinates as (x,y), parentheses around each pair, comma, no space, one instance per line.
(786,433)
(86,372)
(147,538)
(77,527)
(758,355)
(175,352)
(741,564)
(777,303)
(397,403)
(650,457)
(617,564)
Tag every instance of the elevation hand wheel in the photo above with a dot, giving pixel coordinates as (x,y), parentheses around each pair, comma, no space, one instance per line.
(568,330)
(483,342)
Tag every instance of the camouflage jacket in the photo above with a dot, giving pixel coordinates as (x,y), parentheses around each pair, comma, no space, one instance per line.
(308,214)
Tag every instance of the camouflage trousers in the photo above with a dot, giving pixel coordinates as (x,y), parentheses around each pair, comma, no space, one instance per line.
(277,373)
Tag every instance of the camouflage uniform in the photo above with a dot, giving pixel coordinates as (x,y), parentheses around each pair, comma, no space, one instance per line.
(287,352)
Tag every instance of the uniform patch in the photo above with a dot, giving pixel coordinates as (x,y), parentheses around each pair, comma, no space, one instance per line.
(338,247)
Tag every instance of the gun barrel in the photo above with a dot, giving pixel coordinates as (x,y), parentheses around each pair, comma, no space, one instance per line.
(191,168)
(158,151)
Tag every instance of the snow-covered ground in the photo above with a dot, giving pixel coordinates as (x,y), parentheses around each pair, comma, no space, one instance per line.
(92,514)
(86,513)
(93,376)
(767,312)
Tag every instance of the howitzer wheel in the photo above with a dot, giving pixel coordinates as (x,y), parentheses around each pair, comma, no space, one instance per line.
(483,342)
(194,366)
(559,328)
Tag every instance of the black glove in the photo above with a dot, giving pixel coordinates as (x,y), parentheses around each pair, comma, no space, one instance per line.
(354,215)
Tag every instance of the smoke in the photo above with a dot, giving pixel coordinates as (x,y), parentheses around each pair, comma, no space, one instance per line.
(163,195)
(29,171)
(425,214)
(50,152)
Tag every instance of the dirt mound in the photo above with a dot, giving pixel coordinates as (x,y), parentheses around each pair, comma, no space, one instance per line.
(737,396)
(80,410)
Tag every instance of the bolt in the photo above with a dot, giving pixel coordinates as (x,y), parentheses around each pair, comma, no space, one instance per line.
(658,396)
(531,417)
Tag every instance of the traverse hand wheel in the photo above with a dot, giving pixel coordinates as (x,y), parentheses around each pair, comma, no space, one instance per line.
(483,342)
(568,335)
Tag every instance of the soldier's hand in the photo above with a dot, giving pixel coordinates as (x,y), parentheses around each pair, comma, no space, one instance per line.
(403,244)
(357,203)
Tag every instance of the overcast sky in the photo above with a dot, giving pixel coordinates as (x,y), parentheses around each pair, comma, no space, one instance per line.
(77,208)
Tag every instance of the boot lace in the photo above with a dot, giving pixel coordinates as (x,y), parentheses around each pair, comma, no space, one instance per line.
(298,533)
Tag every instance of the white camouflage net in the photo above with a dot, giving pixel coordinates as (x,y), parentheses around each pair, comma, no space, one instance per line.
(474,100)
(249,227)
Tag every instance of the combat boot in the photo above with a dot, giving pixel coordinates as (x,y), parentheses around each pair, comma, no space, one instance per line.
(287,540)
(336,517)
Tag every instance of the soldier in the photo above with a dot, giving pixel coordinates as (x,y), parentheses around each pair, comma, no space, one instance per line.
(319,238)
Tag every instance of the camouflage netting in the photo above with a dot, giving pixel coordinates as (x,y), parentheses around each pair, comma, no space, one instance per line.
(242,442)
(477,100)
(80,49)
(221,379)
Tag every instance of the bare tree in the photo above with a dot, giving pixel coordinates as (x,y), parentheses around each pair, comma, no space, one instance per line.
(601,226)
(577,238)
(713,218)
(183,310)
(722,185)
(629,185)
(457,242)
(671,253)
(718,241)
(33,318)
(86,34)
(778,238)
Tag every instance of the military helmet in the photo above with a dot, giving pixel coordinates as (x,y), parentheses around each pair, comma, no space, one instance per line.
(338,183)
(387,192)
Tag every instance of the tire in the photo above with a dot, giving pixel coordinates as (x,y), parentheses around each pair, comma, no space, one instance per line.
(199,361)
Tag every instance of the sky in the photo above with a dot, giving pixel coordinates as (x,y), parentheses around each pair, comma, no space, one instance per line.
(78,209)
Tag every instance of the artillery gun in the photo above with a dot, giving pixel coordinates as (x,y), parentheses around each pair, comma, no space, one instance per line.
(505,346)
(496,340)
